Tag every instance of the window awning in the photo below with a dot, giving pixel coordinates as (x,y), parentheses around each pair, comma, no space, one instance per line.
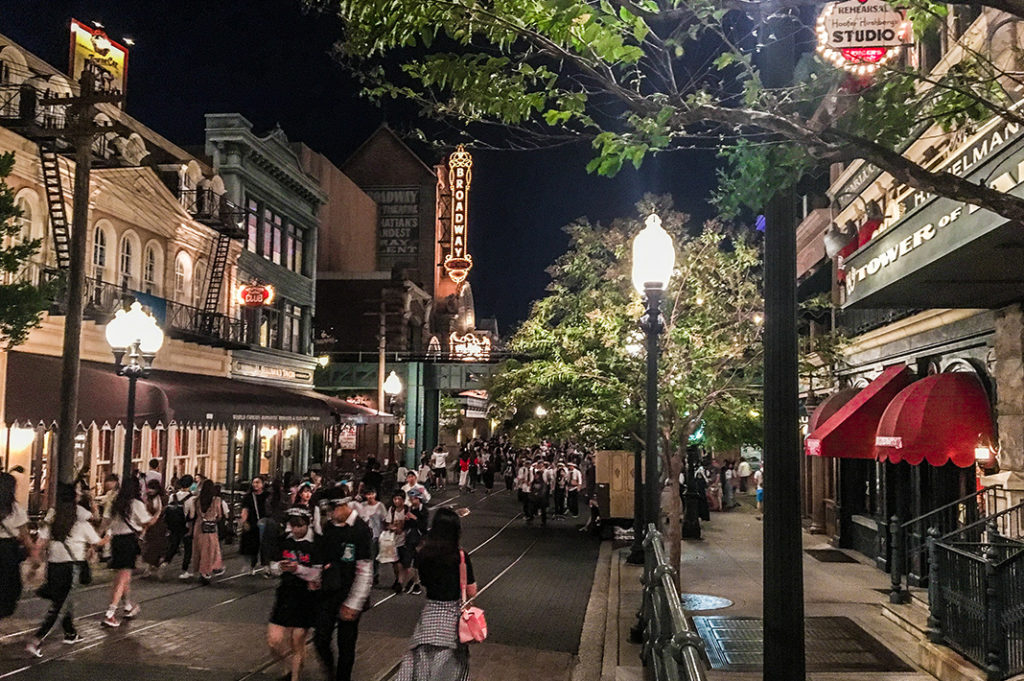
(938,419)
(33,396)
(830,405)
(849,433)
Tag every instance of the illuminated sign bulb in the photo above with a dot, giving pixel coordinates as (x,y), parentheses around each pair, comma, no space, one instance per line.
(458,262)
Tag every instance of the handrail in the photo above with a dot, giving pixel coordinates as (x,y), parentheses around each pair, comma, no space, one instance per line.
(672,648)
(987,520)
(940,509)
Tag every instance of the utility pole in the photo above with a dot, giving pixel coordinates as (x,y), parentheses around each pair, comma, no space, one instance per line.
(783,616)
(382,347)
(81,111)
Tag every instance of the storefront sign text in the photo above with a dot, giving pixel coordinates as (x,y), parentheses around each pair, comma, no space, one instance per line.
(398,210)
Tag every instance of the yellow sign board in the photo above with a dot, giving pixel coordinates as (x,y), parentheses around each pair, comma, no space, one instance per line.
(91,46)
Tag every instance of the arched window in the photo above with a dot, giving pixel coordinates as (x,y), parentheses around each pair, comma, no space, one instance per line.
(24,222)
(199,282)
(151,271)
(183,278)
(99,253)
(126,261)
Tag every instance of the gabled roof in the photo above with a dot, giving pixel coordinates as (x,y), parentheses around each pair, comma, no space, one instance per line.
(364,160)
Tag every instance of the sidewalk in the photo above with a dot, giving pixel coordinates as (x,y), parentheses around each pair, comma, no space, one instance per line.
(727,563)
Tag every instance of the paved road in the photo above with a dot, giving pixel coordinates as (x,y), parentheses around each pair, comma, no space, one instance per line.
(535,585)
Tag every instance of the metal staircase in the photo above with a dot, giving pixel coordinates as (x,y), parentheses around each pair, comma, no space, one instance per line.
(218,263)
(50,162)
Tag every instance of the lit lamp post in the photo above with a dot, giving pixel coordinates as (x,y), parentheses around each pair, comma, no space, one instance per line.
(654,257)
(392,388)
(134,337)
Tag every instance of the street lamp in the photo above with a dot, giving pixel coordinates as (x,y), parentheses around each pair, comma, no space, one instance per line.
(134,337)
(654,258)
(392,388)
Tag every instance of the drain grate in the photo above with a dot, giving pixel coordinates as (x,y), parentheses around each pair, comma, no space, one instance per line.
(830,556)
(834,644)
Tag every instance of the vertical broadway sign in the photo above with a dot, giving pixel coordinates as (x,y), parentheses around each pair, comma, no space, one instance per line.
(458,262)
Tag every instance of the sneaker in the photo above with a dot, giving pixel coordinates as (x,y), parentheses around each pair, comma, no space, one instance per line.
(204,580)
(185,575)
(33,649)
(110,620)
(131,611)
(417,589)
(253,571)
(72,639)
(407,589)
(219,572)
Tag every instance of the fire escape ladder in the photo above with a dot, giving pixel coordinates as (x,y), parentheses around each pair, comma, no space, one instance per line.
(216,281)
(50,162)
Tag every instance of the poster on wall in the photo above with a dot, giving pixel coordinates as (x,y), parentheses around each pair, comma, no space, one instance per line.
(110,58)
(398,232)
(347,437)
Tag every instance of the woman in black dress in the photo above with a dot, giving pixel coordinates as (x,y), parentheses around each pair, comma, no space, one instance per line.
(296,605)
(253,521)
(435,652)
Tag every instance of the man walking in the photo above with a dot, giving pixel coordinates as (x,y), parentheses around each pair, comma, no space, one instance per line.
(347,577)
(575,486)
(744,471)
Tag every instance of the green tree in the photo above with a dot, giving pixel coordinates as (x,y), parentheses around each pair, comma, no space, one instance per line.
(634,77)
(21,303)
(585,363)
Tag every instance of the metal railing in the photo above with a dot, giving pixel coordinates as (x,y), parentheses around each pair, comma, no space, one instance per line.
(672,649)
(909,540)
(1005,524)
(198,324)
(209,207)
(976,601)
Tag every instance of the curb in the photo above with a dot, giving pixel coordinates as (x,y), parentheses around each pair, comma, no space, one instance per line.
(593,638)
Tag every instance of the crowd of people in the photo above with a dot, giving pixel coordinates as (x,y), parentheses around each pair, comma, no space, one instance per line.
(718,483)
(327,537)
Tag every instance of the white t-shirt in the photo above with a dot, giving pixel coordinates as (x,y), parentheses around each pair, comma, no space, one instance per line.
(139,517)
(10,527)
(152,475)
(82,534)
(439,460)
(743,469)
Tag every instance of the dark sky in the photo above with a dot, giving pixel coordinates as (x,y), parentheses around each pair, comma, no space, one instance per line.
(266,60)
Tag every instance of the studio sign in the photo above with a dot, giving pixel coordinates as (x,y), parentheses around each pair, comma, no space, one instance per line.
(859,35)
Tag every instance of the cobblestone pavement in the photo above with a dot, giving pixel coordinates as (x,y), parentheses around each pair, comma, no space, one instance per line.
(535,586)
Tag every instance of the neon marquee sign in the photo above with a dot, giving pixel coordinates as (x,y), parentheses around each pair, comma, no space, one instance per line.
(459,262)
(470,347)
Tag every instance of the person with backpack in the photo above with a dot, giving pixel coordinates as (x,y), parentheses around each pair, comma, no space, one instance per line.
(68,535)
(207,512)
(175,517)
(539,495)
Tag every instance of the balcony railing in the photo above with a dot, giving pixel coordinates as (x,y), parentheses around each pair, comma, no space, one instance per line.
(214,209)
(192,323)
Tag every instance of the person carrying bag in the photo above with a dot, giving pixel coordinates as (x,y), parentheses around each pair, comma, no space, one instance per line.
(438,650)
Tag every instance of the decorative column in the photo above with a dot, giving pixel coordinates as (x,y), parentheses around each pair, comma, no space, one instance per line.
(1009,376)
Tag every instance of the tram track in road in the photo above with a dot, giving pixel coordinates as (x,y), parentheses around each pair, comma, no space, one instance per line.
(120,635)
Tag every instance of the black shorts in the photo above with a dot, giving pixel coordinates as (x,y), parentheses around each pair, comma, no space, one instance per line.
(405,556)
(294,613)
(440,473)
(124,549)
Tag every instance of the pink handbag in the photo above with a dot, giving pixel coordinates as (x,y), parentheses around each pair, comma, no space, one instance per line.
(472,623)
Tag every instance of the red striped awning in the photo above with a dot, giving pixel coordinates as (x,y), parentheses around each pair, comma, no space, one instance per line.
(938,419)
(849,433)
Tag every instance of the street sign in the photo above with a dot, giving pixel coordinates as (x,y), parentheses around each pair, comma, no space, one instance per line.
(861,35)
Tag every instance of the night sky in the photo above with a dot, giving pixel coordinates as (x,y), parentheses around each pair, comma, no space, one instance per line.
(267,61)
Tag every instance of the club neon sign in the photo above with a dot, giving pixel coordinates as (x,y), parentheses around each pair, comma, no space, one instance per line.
(254,295)
(459,262)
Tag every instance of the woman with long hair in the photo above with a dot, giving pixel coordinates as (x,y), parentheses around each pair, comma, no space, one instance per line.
(126,521)
(67,532)
(206,556)
(154,542)
(435,652)
(15,545)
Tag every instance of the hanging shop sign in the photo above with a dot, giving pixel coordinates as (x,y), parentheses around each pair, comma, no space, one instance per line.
(254,294)
(398,237)
(929,227)
(347,436)
(459,262)
(91,46)
(469,347)
(861,35)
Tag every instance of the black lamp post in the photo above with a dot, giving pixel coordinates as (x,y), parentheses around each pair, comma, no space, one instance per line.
(134,337)
(653,261)
(392,388)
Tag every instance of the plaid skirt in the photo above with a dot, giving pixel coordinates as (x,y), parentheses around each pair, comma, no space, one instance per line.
(435,653)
